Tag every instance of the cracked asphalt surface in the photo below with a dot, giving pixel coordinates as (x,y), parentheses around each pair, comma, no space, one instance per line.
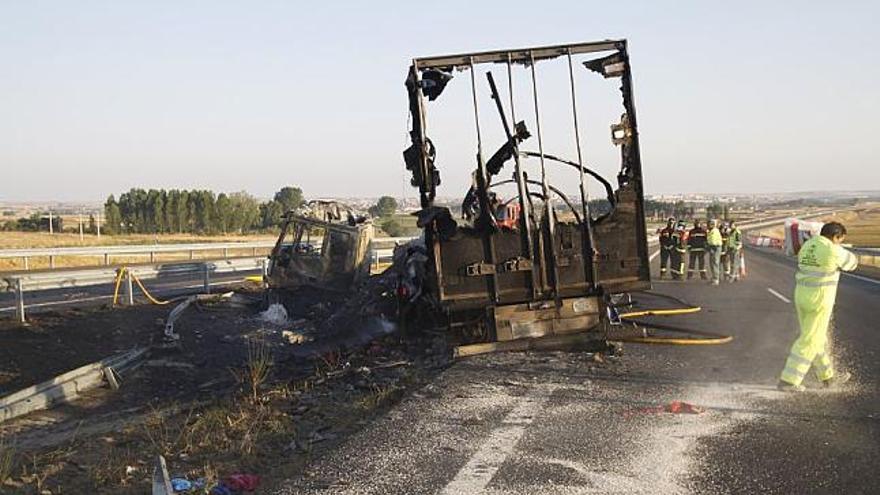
(563,423)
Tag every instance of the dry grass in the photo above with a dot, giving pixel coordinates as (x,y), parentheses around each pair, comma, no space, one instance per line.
(863,226)
(7,460)
(245,426)
(256,370)
(31,240)
(379,396)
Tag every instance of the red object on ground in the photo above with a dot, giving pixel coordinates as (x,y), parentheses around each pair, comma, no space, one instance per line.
(674,407)
(679,407)
(242,482)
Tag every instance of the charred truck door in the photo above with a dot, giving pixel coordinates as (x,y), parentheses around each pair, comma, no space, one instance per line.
(553,268)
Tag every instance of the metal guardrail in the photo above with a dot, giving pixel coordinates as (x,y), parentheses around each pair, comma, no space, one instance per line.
(63,279)
(151,250)
(867,256)
(31,281)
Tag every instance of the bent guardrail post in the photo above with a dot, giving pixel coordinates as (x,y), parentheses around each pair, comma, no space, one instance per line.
(68,386)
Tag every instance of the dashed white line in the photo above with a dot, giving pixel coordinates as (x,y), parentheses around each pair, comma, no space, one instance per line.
(780,296)
(492,453)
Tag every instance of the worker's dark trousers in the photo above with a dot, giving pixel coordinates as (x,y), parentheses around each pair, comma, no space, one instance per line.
(697,262)
(664,260)
(677,263)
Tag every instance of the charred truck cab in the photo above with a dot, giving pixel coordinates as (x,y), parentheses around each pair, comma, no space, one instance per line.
(556,267)
(319,253)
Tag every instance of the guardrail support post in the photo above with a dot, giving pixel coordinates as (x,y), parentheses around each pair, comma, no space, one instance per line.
(192,254)
(152,257)
(19,301)
(207,279)
(129,290)
(51,261)
(26,267)
(225,253)
(254,251)
(106,259)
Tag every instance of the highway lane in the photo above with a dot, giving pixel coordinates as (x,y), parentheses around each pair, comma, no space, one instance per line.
(563,423)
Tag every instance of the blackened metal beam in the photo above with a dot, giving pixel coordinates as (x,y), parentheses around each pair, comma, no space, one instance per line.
(517,56)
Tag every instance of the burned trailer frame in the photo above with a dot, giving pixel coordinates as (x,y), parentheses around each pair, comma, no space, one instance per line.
(547,276)
(339,262)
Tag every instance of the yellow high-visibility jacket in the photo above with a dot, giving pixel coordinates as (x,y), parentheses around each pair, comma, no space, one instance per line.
(819,264)
(713,238)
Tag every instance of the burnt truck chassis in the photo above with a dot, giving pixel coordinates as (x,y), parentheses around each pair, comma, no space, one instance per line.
(547,276)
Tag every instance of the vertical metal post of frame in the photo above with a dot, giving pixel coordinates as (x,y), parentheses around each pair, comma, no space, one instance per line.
(545,186)
(19,301)
(207,280)
(635,159)
(483,188)
(588,243)
(427,192)
(525,201)
(129,288)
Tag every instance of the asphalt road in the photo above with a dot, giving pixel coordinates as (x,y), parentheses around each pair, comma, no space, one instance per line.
(560,423)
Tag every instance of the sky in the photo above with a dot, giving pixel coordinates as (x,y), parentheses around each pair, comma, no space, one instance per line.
(747,97)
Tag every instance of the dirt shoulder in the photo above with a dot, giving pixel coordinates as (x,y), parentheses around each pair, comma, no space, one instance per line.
(230,397)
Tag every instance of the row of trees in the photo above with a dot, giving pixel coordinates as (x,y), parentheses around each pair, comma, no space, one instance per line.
(36,222)
(195,211)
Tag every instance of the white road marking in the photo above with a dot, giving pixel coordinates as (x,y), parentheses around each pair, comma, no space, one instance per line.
(780,296)
(651,258)
(863,279)
(482,466)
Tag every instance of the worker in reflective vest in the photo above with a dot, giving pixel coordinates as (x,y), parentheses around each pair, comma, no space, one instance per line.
(725,260)
(666,245)
(697,248)
(713,248)
(734,252)
(820,261)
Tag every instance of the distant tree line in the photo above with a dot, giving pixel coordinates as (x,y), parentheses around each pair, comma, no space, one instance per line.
(34,223)
(197,211)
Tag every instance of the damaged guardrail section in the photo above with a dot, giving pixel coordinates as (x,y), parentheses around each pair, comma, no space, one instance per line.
(67,386)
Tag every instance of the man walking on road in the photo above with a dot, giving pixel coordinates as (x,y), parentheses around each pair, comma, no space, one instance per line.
(820,261)
(697,248)
(666,245)
(734,251)
(713,247)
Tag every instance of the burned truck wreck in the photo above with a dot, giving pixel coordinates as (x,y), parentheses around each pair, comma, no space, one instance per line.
(538,264)
(323,246)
